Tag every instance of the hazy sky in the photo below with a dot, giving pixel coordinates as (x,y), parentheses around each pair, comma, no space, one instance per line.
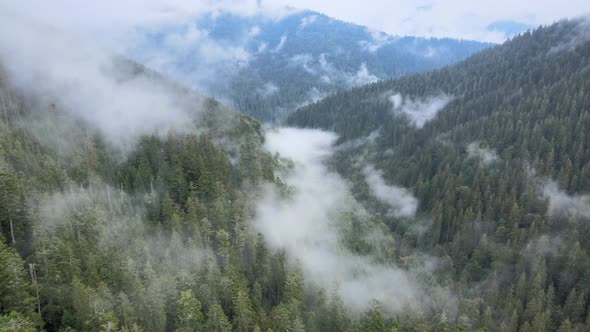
(467,19)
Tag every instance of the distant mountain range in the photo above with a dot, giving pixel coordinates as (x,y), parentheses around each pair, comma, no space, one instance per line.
(267,67)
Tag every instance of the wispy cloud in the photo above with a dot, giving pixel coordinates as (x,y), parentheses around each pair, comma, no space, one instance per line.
(419,111)
(561,203)
(92,84)
(306,224)
(401,200)
(281,44)
(487,156)
(379,39)
(307,20)
(268,89)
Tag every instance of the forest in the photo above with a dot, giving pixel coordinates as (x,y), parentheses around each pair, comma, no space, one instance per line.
(451,200)
(501,173)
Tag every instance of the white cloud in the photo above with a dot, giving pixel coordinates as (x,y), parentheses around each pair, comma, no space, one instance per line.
(254,31)
(329,74)
(362,76)
(109,18)
(281,44)
(463,19)
(401,200)
(379,39)
(430,52)
(215,62)
(487,156)
(419,111)
(306,225)
(305,61)
(209,51)
(262,47)
(561,202)
(87,82)
(268,89)
(307,21)
(581,35)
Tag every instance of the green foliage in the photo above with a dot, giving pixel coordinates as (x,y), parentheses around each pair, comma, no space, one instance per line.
(15,286)
(217,320)
(16,322)
(163,239)
(514,264)
(188,312)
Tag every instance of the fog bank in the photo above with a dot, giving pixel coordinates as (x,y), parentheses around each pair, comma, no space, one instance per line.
(306,225)
(103,91)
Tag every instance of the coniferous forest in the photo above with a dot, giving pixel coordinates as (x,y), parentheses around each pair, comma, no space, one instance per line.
(452,200)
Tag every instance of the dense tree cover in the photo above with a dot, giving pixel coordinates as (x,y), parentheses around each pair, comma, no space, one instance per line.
(514,264)
(156,238)
(282,63)
(161,238)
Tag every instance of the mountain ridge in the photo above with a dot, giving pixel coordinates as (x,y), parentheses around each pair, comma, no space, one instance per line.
(289,61)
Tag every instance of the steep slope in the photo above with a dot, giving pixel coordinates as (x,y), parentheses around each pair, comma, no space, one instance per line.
(496,151)
(107,229)
(131,203)
(267,67)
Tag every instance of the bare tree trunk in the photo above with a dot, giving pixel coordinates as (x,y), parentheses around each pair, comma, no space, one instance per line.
(11,227)
(4,108)
(109,197)
(9,99)
(34,278)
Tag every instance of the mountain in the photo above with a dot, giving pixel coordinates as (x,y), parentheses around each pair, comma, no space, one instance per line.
(268,66)
(129,202)
(495,149)
(452,200)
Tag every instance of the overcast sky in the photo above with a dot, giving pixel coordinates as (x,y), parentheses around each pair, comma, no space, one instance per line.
(467,19)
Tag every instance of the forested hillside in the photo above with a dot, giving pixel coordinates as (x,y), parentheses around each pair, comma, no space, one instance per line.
(497,153)
(144,220)
(90,242)
(267,67)
(452,200)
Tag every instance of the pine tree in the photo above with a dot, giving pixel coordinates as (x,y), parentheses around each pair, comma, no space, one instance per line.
(217,320)
(188,312)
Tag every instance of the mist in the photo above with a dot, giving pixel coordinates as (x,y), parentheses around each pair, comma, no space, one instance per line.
(97,87)
(562,203)
(419,111)
(401,200)
(582,35)
(306,224)
(487,156)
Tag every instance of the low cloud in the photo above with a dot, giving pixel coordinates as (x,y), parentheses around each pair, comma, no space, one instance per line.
(304,61)
(268,89)
(99,89)
(401,200)
(254,31)
(378,40)
(580,36)
(362,76)
(212,62)
(328,73)
(203,47)
(307,21)
(313,96)
(487,156)
(281,44)
(561,203)
(306,224)
(419,111)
